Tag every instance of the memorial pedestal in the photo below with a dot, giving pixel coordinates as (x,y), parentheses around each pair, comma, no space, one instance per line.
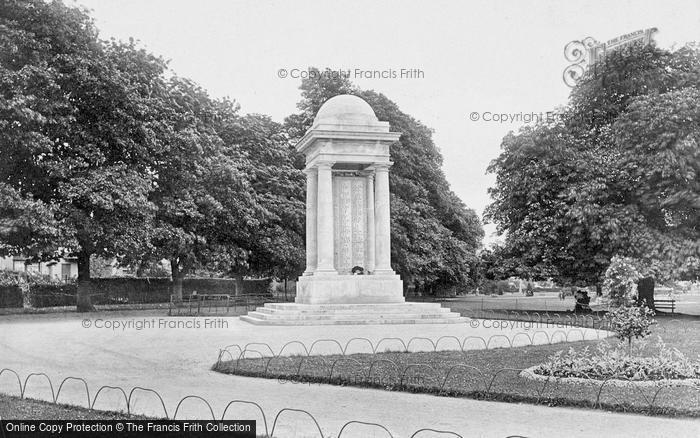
(349,289)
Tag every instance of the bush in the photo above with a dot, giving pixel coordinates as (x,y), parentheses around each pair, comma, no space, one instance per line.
(503,286)
(615,363)
(631,323)
(621,280)
(52,295)
(11,296)
(45,292)
(489,287)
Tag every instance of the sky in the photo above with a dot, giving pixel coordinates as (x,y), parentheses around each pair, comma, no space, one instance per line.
(463,62)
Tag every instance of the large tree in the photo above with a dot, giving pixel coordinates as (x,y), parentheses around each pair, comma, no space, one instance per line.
(434,235)
(276,246)
(206,207)
(617,174)
(79,132)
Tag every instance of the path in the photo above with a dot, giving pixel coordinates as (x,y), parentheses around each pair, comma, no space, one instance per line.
(176,363)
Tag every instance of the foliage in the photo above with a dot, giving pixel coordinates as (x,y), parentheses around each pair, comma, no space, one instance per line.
(631,322)
(277,245)
(616,174)
(79,124)
(107,154)
(621,280)
(611,363)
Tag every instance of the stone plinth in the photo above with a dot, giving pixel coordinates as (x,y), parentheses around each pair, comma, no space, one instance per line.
(350,289)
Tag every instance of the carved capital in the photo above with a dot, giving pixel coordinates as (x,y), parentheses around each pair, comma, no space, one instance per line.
(326,165)
(382,167)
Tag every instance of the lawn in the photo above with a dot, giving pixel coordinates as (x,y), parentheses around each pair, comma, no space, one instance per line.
(12,407)
(488,374)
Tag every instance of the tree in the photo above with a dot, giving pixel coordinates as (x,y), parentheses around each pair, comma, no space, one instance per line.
(79,131)
(205,205)
(631,323)
(434,235)
(616,175)
(276,246)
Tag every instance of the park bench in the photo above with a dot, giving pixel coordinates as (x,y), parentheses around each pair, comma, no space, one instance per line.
(665,304)
(195,303)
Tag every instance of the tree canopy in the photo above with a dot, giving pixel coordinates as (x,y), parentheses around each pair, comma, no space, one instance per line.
(79,132)
(617,174)
(106,152)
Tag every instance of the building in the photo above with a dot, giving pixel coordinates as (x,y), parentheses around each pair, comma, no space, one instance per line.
(58,269)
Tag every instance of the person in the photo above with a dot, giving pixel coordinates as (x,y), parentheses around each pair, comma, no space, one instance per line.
(582,302)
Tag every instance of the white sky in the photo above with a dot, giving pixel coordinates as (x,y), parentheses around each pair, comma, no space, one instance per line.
(477,56)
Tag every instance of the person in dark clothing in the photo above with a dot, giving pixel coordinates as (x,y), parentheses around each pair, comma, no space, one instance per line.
(582,302)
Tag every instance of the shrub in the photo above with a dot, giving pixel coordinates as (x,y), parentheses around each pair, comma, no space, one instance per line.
(11,296)
(489,287)
(502,286)
(621,280)
(630,322)
(52,294)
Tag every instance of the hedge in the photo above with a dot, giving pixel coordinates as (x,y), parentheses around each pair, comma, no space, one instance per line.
(119,290)
(10,296)
(51,295)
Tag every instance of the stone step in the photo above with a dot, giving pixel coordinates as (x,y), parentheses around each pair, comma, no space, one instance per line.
(350,316)
(354,307)
(343,310)
(364,313)
(366,321)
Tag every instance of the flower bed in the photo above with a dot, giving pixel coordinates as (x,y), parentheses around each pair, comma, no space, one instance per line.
(609,363)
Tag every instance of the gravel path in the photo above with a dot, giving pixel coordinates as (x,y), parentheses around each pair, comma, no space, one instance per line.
(176,361)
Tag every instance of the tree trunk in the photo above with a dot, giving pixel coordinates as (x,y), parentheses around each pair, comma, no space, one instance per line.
(176,274)
(645,292)
(84,303)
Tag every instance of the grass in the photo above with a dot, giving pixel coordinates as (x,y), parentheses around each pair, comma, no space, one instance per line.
(486,374)
(13,407)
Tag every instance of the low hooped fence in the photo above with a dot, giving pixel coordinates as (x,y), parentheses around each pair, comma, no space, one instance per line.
(312,425)
(295,362)
(461,344)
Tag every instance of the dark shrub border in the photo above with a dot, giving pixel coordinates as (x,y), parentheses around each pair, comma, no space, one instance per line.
(120,290)
(10,296)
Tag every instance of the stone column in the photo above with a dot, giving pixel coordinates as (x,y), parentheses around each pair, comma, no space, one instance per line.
(311,210)
(370,258)
(324,221)
(382,221)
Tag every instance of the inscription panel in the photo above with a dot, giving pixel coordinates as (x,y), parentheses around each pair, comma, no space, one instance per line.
(349,222)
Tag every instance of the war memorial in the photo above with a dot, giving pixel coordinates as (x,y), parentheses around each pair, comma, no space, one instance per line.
(348,277)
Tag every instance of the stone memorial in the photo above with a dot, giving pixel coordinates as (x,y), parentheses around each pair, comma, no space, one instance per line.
(348,276)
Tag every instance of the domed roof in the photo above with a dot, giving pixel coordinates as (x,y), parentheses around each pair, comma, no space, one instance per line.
(345,109)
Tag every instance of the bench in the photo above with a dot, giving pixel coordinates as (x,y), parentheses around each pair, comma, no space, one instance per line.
(195,303)
(664,304)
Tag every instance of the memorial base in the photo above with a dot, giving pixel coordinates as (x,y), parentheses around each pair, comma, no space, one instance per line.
(349,289)
(351,299)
